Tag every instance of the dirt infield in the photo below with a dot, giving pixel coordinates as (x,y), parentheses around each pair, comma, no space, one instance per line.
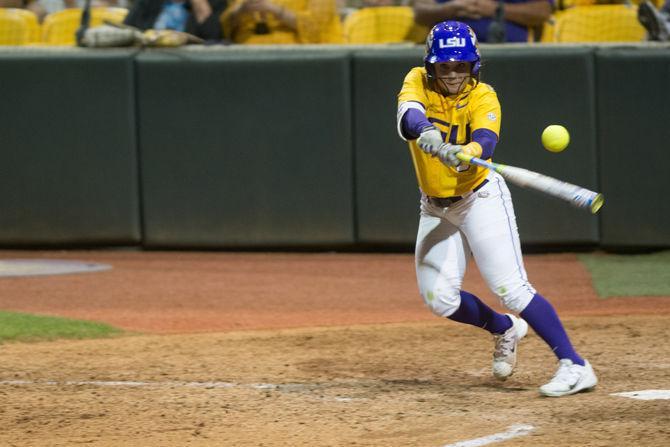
(337,349)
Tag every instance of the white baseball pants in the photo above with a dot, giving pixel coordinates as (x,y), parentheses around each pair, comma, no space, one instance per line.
(483,223)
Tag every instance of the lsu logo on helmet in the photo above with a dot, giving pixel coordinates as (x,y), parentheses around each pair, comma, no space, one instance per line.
(452,42)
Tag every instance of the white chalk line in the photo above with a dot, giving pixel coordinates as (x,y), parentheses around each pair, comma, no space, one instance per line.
(285,387)
(39,267)
(135,383)
(513,431)
(645,394)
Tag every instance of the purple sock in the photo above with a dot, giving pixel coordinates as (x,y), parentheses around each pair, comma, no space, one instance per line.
(473,311)
(542,317)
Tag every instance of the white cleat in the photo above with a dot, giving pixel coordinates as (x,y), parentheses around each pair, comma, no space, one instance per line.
(504,355)
(570,378)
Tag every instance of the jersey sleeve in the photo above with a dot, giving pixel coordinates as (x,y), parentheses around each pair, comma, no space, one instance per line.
(413,88)
(486,113)
(412,96)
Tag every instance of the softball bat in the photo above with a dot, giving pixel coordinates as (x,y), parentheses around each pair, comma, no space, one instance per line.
(576,195)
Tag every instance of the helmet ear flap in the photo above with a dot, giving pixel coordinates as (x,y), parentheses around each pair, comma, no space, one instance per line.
(475,68)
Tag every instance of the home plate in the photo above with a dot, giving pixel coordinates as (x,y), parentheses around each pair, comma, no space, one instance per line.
(645,394)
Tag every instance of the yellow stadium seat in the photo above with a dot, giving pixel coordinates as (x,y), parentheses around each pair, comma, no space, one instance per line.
(59,27)
(31,22)
(381,24)
(598,23)
(13,28)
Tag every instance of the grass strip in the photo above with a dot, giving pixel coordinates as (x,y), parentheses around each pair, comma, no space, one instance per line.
(18,326)
(629,275)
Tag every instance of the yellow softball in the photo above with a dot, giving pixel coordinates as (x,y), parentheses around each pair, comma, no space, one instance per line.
(555,138)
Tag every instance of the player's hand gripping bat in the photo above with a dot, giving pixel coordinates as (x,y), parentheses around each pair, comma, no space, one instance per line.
(576,195)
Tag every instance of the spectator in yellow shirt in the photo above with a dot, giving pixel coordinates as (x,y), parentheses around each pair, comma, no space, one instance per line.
(282,22)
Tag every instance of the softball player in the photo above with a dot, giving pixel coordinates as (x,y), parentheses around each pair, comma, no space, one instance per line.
(443,108)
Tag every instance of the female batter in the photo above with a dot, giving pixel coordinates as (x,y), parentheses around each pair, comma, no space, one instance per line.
(443,109)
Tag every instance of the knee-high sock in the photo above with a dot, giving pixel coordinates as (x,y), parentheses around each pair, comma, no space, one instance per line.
(473,311)
(542,317)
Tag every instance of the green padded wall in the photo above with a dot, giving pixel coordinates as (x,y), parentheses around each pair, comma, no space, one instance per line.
(537,87)
(634,122)
(387,195)
(527,81)
(248,148)
(288,147)
(67,141)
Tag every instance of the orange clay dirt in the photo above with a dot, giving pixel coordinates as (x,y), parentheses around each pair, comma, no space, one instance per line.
(230,349)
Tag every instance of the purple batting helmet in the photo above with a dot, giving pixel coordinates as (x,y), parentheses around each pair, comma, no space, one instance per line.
(452,42)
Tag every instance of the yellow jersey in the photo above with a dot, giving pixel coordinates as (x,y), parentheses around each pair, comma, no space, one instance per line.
(456,117)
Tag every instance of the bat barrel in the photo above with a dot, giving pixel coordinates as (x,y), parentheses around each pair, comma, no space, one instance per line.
(576,195)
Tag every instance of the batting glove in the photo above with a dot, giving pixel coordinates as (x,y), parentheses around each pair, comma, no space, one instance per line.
(447,154)
(430,140)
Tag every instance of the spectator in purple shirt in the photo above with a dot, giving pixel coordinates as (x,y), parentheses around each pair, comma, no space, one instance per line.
(492,21)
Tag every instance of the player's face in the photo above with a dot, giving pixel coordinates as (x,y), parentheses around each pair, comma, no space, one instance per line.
(452,76)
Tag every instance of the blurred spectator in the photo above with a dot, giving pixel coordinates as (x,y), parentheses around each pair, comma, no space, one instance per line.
(493,21)
(282,22)
(197,17)
(656,22)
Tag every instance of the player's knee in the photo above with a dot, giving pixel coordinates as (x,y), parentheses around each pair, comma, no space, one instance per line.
(442,304)
(516,299)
